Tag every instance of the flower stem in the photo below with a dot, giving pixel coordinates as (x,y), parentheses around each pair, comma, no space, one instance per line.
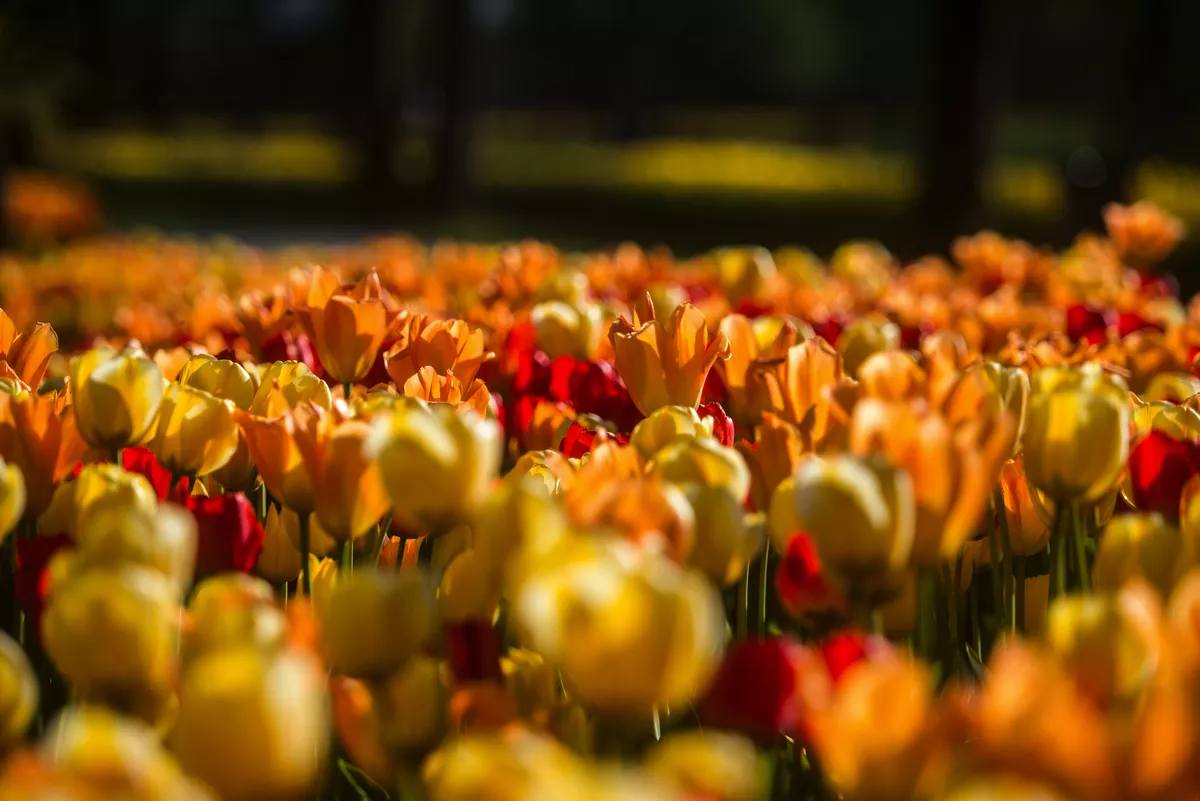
(927,612)
(346,390)
(999,588)
(1079,537)
(1005,555)
(1058,554)
(762,592)
(305,570)
(743,605)
(348,556)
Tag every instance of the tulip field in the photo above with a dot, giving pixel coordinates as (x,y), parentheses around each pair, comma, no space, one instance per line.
(456,522)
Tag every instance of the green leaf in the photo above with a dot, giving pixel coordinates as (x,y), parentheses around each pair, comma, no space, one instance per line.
(360,782)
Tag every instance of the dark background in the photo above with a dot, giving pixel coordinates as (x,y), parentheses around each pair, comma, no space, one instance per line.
(688,122)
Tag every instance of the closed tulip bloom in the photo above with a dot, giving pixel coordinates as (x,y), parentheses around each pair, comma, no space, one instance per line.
(1172,387)
(1076,436)
(708,764)
(779,447)
(516,521)
(412,706)
(725,540)
(509,765)
(738,372)
(111,631)
(665,362)
(346,331)
(116,397)
(436,463)
(347,486)
(18,693)
(373,622)
(651,513)
(161,539)
(555,472)
(98,487)
(1011,385)
(272,444)
(796,384)
(1028,532)
(12,497)
(1142,545)
(254,726)
(221,378)
(280,560)
(233,611)
(25,356)
(664,650)
(863,338)
(441,344)
(703,461)
(196,433)
(665,425)
(40,440)
(567,330)
(859,512)
(891,375)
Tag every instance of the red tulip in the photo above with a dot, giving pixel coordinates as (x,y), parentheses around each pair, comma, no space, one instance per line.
(286,347)
(474,651)
(32,584)
(578,440)
(229,536)
(755,689)
(1159,467)
(723,429)
(1088,323)
(801,584)
(1128,322)
(593,387)
(140,460)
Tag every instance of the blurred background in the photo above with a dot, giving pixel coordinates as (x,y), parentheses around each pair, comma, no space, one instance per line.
(587,122)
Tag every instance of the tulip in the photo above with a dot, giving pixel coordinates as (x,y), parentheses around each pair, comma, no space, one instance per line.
(428,386)
(18,693)
(443,345)
(891,375)
(469,591)
(1142,545)
(746,350)
(110,631)
(25,356)
(865,337)
(513,764)
(703,461)
(665,426)
(516,521)
(1076,435)
(652,513)
(436,463)
(43,442)
(715,765)
(12,497)
(196,433)
(272,444)
(1028,533)
(346,331)
(801,585)
(555,472)
(778,449)
(230,537)
(116,397)
(1010,385)
(566,330)
(253,726)
(756,689)
(372,622)
(162,539)
(663,653)
(953,469)
(356,721)
(665,362)
(1160,466)
(1179,422)
(1143,233)
(725,541)
(280,560)
(796,384)
(1171,387)
(538,424)
(99,486)
(233,611)
(412,706)
(229,381)
(286,385)
(859,513)
(348,489)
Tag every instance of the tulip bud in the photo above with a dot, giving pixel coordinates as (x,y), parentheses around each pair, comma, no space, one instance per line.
(252,725)
(98,487)
(115,396)
(1141,545)
(113,631)
(412,705)
(280,560)
(863,338)
(436,464)
(725,541)
(859,513)
(703,461)
(667,425)
(163,539)
(566,330)
(233,611)
(372,623)
(12,497)
(196,433)
(220,378)
(516,521)
(18,693)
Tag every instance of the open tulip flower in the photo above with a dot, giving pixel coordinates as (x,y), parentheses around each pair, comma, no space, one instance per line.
(451,506)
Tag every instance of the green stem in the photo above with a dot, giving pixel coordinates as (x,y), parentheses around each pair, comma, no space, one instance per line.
(262,504)
(348,556)
(999,599)
(976,628)
(1006,555)
(1058,555)
(305,569)
(764,583)
(1079,537)
(743,606)
(1019,617)
(346,390)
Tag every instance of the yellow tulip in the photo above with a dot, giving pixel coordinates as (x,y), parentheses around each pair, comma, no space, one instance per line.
(18,693)
(627,634)
(1173,387)
(708,764)
(1076,434)
(703,461)
(436,463)
(864,337)
(12,497)
(567,330)
(510,765)
(196,433)
(161,539)
(116,397)
(233,611)
(412,705)
(373,622)
(286,385)
(891,375)
(553,472)
(254,726)
(725,541)
(859,512)
(110,631)
(666,425)
(98,487)
(1011,385)
(516,521)
(1141,545)
(347,487)
(230,381)
(665,362)
(280,560)
(469,589)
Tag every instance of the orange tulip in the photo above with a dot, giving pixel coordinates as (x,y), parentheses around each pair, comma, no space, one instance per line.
(427,385)
(443,345)
(737,372)
(348,491)
(665,363)
(1028,532)
(891,375)
(272,444)
(643,511)
(346,331)
(25,355)
(796,385)
(42,442)
(1144,233)
(778,448)
(262,317)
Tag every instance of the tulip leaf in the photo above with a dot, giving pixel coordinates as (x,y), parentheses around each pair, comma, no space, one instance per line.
(361,783)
